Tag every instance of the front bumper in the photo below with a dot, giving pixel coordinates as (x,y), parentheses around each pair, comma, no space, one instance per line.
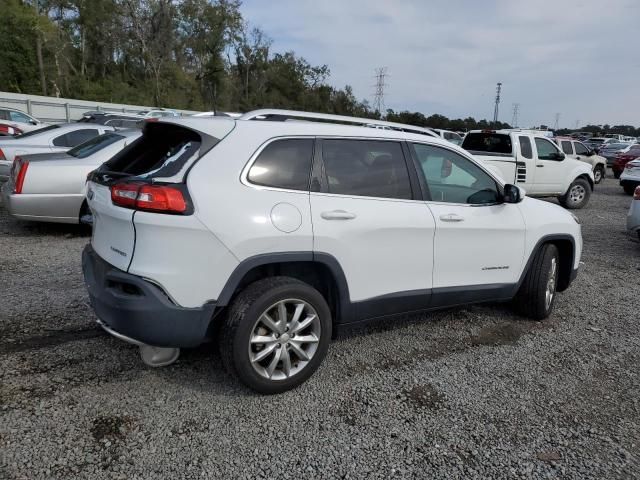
(139,310)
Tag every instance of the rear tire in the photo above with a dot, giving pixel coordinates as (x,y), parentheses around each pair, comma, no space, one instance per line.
(537,294)
(577,195)
(261,340)
(629,189)
(616,175)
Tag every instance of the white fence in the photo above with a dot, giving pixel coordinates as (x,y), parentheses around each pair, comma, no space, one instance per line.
(52,109)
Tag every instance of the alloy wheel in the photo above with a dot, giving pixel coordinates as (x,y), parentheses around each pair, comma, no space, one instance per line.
(284,339)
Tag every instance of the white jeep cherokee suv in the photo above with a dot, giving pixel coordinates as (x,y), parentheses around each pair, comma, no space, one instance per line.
(266,235)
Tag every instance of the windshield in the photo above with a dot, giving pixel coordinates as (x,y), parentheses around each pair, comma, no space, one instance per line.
(615,146)
(94,145)
(38,131)
(487,142)
(597,140)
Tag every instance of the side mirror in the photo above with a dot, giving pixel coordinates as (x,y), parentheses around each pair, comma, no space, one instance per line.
(590,153)
(447,167)
(512,194)
(33,122)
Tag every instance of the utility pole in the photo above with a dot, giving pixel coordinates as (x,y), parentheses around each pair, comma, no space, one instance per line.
(495,111)
(378,96)
(43,81)
(514,117)
(557,122)
(577,124)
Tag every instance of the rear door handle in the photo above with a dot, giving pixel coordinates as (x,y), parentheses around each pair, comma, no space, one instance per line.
(451,217)
(338,215)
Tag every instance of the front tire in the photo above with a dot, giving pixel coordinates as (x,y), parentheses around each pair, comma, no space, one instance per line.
(598,174)
(276,334)
(629,189)
(577,195)
(537,294)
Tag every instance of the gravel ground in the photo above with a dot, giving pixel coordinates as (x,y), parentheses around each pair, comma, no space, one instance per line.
(465,393)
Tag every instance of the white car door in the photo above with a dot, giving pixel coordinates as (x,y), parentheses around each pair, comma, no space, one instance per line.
(369,217)
(550,172)
(479,241)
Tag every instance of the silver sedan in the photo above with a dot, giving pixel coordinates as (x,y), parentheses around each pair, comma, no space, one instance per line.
(50,187)
(53,138)
(633,217)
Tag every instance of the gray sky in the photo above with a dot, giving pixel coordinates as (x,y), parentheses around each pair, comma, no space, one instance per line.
(579,58)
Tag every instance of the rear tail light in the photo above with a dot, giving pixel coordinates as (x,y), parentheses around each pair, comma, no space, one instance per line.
(2,157)
(19,172)
(150,198)
(636,194)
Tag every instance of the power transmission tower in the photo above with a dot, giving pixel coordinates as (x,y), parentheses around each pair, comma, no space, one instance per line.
(577,124)
(555,125)
(514,117)
(378,97)
(495,111)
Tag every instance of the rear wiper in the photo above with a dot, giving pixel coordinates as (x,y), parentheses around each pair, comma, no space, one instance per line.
(106,176)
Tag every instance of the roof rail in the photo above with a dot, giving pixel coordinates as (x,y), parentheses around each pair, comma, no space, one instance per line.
(282,115)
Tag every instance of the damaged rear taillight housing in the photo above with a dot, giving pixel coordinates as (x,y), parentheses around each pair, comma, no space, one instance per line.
(158,198)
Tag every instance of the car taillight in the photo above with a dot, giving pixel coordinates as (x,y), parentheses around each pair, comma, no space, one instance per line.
(150,198)
(19,172)
(2,157)
(636,193)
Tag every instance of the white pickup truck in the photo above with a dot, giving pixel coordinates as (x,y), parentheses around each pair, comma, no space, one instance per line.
(533,162)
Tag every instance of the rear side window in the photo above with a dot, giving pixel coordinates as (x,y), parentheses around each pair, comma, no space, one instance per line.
(525,147)
(367,168)
(489,142)
(19,117)
(566,147)
(161,152)
(284,163)
(94,145)
(72,139)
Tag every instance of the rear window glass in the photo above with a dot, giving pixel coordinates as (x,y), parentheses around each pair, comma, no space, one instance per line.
(490,142)
(94,145)
(161,152)
(284,164)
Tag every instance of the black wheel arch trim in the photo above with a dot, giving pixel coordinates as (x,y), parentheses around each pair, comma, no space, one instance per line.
(567,275)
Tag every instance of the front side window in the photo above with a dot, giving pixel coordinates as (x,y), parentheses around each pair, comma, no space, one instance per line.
(525,147)
(284,164)
(566,147)
(452,178)
(546,149)
(369,168)
(580,148)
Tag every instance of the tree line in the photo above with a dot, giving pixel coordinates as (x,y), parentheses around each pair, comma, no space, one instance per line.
(186,54)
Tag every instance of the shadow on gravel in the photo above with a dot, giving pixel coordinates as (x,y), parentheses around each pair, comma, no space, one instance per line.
(51,339)
(20,228)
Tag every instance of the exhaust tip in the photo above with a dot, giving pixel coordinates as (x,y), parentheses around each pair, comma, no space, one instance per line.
(158,356)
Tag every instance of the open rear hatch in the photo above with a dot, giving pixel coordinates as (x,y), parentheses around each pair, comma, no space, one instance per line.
(148,175)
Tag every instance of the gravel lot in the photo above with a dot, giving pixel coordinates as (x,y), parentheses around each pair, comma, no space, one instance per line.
(465,393)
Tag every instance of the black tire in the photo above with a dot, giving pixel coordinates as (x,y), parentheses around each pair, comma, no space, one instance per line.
(531,299)
(629,189)
(574,201)
(242,319)
(598,174)
(616,175)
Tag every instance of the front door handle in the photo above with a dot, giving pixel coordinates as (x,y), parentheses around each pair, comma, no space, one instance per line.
(451,217)
(338,215)
(540,166)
